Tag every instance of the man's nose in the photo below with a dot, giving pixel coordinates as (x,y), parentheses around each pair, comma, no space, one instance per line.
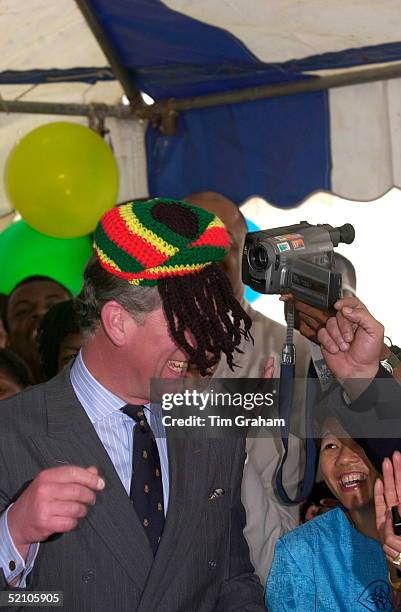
(39,311)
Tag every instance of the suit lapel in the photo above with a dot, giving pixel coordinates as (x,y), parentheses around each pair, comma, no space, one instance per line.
(71,438)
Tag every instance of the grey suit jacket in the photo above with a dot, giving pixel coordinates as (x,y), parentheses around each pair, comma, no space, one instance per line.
(106,563)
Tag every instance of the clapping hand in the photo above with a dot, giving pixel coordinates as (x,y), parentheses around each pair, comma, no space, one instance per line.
(387,495)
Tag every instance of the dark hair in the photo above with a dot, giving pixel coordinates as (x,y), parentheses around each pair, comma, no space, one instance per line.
(101,287)
(3,305)
(396,350)
(37,278)
(319,491)
(57,324)
(15,368)
(374,448)
(26,281)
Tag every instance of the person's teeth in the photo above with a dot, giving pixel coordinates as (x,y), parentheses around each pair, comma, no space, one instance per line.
(177,366)
(348,480)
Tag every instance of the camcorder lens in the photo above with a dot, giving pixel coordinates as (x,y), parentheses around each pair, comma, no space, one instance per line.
(258,257)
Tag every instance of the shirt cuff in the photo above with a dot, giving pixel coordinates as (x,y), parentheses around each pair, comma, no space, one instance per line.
(383,391)
(11,561)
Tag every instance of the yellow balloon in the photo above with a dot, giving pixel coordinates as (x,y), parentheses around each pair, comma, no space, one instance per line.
(62,177)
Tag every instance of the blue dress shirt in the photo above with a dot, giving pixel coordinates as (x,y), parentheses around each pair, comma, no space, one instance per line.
(115,430)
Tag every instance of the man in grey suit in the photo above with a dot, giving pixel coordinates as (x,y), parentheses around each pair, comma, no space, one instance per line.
(72,517)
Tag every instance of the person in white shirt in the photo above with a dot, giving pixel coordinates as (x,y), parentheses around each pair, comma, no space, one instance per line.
(267,517)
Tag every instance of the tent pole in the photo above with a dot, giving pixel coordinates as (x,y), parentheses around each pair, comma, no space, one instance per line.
(120,72)
(343,79)
(164,113)
(55,108)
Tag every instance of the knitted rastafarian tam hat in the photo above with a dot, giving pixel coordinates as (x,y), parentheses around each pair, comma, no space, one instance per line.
(145,241)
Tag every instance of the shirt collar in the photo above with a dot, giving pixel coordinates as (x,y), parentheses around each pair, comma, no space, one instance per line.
(97,401)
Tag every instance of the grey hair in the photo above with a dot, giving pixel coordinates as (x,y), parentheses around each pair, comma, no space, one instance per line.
(101,287)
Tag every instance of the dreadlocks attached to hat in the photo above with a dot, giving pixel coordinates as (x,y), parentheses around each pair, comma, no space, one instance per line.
(176,246)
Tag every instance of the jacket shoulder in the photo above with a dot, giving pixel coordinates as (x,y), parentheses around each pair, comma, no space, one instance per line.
(29,406)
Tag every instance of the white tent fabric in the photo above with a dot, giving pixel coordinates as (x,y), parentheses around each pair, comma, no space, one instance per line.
(365,123)
(281,30)
(55,35)
(46,34)
(128,141)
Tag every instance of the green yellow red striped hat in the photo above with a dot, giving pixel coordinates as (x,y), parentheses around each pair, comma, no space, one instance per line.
(144,241)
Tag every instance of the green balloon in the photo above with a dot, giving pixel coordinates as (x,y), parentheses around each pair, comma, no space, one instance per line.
(25,252)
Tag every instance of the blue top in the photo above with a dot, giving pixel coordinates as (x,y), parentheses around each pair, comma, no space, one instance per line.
(328,565)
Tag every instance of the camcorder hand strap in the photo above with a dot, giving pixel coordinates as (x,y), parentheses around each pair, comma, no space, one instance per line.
(286,392)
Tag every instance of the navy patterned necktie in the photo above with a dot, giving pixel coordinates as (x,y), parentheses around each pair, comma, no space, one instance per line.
(146,490)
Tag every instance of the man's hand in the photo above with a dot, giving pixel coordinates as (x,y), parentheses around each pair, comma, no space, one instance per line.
(53,503)
(311,320)
(387,495)
(356,358)
(268,370)
(308,319)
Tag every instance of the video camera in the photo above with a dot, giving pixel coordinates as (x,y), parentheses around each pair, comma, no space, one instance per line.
(297,259)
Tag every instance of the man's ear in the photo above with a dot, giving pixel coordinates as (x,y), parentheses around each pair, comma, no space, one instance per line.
(116,322)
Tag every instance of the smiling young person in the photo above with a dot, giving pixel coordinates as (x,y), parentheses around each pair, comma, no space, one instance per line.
(335,561)
(139,529)
(59,338)
(26,306)
(349,475)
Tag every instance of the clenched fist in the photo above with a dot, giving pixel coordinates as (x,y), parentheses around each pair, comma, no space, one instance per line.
(54,502)
(352,341)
